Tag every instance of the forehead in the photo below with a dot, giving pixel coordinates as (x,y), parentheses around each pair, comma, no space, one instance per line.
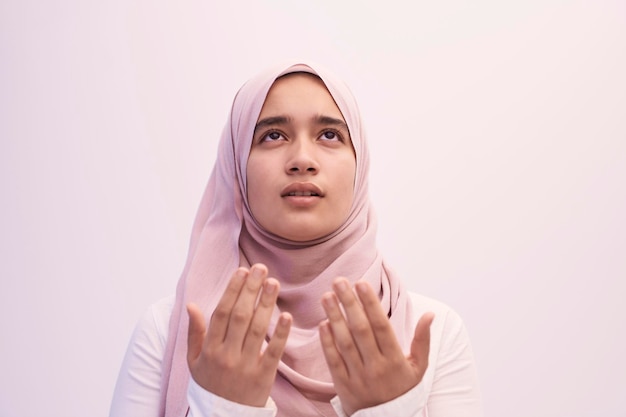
(300,79)
(299,91)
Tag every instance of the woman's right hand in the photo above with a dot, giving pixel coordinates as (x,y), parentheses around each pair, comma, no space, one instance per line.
(226,358)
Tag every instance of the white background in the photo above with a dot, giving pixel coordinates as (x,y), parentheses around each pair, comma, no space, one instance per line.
(498,131)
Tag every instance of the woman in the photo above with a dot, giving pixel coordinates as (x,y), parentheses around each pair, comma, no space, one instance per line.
(335,332)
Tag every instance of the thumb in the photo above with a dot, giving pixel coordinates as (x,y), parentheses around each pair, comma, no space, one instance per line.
(420,347)
(196,332)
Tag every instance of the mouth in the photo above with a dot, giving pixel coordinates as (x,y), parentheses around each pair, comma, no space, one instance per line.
(302,189)
(302,193)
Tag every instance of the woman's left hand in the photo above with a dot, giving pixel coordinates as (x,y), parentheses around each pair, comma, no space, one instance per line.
(365,359)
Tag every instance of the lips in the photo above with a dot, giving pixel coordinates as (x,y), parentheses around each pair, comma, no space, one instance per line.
(303,193)
(302,189)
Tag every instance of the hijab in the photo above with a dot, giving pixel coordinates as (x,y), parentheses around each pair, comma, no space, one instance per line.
(225,236)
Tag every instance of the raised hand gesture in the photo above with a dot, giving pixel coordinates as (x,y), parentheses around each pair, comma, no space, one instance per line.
(226,359)
(365,359)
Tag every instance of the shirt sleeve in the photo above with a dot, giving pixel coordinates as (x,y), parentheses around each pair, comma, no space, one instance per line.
(203,403)
(137,391)
(454,391)
(409,404)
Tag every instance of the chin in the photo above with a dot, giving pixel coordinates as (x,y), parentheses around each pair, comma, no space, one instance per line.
(301,228)
(301,235)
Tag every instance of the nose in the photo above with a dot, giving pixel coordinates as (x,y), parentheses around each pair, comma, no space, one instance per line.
(302,158)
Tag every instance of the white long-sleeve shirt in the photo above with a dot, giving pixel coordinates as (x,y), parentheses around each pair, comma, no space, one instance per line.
(449,387)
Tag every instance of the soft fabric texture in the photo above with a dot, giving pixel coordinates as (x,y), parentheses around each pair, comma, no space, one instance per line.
(226,236)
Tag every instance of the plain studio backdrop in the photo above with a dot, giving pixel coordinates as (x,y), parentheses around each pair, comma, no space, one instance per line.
(498,136)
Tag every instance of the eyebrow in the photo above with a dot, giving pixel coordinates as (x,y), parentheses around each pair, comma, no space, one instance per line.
(270,121)
(282,120)
(327,120)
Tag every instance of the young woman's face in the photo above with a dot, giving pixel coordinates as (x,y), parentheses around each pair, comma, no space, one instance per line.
(302,165)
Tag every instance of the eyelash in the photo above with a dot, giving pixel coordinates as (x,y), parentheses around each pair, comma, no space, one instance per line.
(338,135)
(265,135)
(336,132)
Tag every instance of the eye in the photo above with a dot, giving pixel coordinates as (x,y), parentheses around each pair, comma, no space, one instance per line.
(330,135)
(271,137)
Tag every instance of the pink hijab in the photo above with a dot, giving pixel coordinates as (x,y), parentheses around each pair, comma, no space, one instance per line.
(226,236)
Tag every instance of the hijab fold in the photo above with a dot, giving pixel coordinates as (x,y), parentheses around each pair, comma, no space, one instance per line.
(226,236)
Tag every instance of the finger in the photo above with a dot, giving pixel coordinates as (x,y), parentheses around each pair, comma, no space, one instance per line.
(196,332)
(243,310)
(420,346)
(357,320)
(379,320)
(262,315)
(276,345)
(221,315)
(335,362)
(341,334)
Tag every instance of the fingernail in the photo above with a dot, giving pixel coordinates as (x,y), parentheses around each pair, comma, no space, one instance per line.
(328,300)
(342,285)
(257,272)
(361,287)
(270,287)
(324,327)
(284,319)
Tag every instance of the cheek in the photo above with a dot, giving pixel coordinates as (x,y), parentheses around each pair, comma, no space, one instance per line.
(260,186)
